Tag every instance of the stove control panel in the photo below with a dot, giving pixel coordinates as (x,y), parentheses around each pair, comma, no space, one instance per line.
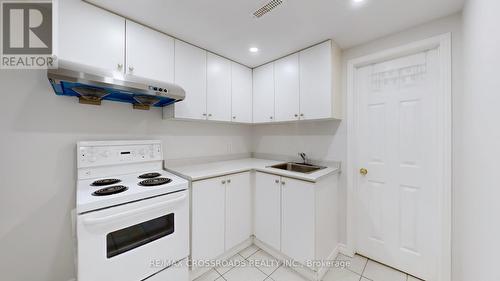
(100,154)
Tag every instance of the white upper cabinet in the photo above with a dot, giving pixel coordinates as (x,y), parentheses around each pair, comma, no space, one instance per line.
(91,36)
(263,94)
(319,82)
(241,93)
(191,75)
(286,83)
(218,88)
(150,54)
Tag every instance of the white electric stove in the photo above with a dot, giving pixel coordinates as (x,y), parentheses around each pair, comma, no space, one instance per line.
(133,217)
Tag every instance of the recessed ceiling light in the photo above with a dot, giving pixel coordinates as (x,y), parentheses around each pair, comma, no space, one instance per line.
(253,50)
(358,1)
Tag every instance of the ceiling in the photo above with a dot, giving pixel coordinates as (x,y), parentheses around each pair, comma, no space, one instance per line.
(228,28)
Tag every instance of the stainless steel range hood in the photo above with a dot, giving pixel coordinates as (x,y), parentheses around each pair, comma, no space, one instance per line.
(92,85)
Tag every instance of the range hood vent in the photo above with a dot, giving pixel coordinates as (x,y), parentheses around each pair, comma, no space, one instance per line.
(92,85)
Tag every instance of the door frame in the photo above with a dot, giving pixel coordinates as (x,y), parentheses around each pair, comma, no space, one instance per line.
(443,44)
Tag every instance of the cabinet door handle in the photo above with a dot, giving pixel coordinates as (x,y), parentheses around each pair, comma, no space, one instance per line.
(223,182)
(210,115)
(228,181)
(131,68)
(277,181)
(234,117)
(302,115)
(120,66)
(296,115)
(204,114)
(283,183)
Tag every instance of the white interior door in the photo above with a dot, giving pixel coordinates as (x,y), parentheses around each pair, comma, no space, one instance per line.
(397,207)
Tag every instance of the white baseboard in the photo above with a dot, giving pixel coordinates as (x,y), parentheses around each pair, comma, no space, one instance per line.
(346,250)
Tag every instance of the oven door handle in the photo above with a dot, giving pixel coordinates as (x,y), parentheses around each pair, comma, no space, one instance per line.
(138,211)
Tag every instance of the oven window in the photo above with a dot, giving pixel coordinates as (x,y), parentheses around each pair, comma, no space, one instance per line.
(129,238)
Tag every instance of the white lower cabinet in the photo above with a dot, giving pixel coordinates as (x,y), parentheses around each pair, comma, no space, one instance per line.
(238,209)
(298,206)
(221,214)
(297,218)
(267,209)
(208,211)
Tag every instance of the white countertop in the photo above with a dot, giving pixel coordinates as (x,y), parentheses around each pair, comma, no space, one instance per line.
(216,169)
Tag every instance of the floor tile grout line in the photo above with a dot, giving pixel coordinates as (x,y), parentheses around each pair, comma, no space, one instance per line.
(364,267)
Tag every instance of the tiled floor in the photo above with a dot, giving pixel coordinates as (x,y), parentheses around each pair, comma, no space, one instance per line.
(257,265)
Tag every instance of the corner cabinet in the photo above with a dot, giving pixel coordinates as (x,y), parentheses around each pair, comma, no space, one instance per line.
(289,210)
(241,89)
(263,94)
(221,215)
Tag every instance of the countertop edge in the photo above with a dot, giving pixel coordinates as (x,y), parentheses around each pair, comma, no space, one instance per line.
(251,167)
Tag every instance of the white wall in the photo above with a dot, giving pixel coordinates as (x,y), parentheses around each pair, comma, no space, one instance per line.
(327,140)
(477,190)
(38,135)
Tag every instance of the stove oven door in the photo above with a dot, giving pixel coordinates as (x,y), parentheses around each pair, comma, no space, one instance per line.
(133,241)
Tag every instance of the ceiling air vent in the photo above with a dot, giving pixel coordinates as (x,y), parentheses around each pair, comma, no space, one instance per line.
(267,8)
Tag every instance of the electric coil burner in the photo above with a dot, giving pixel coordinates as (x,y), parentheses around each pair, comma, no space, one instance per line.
(104,182)
(155,181)
(149,175)
(110,190)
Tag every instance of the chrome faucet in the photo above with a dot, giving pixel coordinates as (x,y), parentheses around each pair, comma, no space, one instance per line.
(303,156)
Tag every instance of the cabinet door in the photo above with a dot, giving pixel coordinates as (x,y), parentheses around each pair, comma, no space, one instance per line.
(241,93)
(218,88)
(286,83)
(316,82)
(91,36)
(268,209)
(191,74)
(238,209)
(263,94)
(208,199)
(298,219)
(150,54)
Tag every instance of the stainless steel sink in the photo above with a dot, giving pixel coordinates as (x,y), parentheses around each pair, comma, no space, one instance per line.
(298,167)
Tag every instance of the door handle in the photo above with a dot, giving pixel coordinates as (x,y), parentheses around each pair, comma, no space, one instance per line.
(363,171)
(138,211)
